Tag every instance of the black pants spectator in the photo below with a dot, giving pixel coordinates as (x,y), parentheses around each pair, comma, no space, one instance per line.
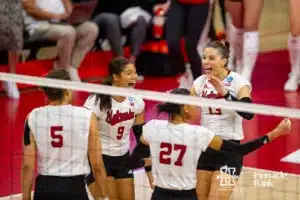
(189,21)
(110,23)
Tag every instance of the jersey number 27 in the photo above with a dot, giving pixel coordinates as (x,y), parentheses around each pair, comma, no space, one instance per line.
(166,151)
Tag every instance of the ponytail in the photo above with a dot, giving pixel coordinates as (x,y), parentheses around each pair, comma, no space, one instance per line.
(172,108)
(169,108)
(105,100)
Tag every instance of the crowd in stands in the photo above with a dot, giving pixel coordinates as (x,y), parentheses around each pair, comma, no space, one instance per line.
(77,26)
(73,25)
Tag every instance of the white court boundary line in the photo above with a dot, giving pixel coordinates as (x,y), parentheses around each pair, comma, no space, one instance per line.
(151,95)
(11,197)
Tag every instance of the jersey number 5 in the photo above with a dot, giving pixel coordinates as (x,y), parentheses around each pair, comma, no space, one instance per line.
(57,139)
(164,155)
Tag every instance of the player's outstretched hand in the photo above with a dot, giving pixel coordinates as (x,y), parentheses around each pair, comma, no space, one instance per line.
(284,127)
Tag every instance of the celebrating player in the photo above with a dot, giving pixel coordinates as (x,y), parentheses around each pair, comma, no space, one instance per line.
(65,138)
(176,147)
(221,84)
(116,116)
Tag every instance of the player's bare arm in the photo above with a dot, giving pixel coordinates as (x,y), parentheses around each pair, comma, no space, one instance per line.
(95,151)
(28,166)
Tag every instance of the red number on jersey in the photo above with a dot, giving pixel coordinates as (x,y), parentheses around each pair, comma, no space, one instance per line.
(57,139)
(182,149)
(120,132)
(163,155)
(216,111)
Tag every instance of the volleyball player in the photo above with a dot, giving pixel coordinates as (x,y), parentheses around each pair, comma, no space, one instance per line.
(176,147)
(294,47)
(64,137)
(244,35)
(116,116)
(221,84)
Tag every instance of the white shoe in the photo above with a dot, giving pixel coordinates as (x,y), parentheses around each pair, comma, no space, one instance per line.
(73,74)
(292,83)
(12,90)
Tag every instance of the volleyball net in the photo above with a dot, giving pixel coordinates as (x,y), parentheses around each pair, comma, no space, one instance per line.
(269,173)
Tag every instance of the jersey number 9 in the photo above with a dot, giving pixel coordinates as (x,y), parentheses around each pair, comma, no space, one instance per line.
(57,139)
(164,155)
(120,132)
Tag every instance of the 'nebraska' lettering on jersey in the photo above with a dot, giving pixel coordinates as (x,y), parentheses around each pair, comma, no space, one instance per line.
(115,124)
(61,134)
(175,150)
(225,123)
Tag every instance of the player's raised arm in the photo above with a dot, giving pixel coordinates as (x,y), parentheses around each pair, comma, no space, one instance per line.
(29,154)
(95,152)
(282,129)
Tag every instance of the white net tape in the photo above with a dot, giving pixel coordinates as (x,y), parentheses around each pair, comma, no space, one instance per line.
(151,95)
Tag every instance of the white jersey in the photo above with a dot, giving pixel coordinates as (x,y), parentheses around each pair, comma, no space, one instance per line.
(225,123)
(175,150)
(61,134)
(115,124)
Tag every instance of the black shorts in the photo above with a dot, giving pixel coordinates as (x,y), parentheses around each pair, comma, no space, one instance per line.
(60,188)
(115,167)
(166,194)
(217,160)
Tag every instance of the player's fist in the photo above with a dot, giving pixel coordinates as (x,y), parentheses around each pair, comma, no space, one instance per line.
(284,127)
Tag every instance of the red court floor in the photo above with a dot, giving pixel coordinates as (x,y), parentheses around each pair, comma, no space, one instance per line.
(268,79)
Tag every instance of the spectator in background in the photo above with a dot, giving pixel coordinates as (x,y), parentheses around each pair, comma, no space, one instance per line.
(244,34)
(113,15)
(11,38)
(185,18)
(43,18)
(293,82)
